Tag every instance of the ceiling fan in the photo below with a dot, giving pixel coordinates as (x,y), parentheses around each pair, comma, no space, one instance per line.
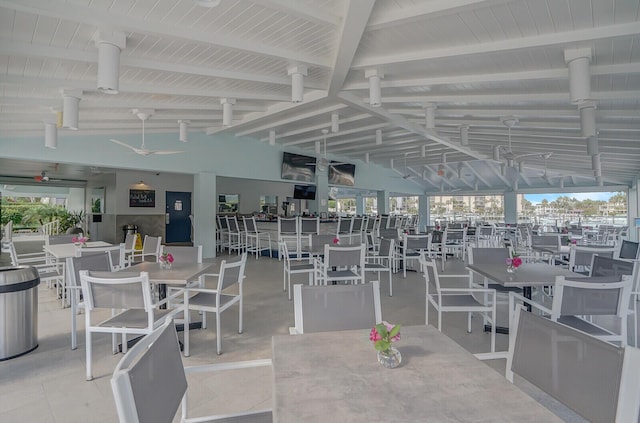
(506,152)
(322,164)
(406,174)
(143,116)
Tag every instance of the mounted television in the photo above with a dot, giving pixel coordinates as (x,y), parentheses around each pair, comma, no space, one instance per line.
(342,174)
(304,192)
(298,167)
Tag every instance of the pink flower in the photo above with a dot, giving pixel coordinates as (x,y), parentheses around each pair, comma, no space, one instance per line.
(75,239)
(516,261)
(389,327)
(336,240)
(374,335)
(169,258)
(508,261)
(573,241)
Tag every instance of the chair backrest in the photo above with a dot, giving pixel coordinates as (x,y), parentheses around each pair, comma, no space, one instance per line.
(598,296)
(184,254)
(486,231)
(287,225)
(552,240)
(310,225)
(232,224)
(250,224)
(116,254)
(318,240)
(151,245)
(222,222)
(149,382)
(430,273)
(454,235)
(436,237)
(628,250)
(386,248)
(371,223)
(336,307)
(357,225)
(98,261)
(339,256)
(478,255)
(13,254)
(344,225)
(598,380)
(391,233)
(116,290)
(232,272)
(130,241)
(607,266)
(416,242)
(384,221)
(583,255)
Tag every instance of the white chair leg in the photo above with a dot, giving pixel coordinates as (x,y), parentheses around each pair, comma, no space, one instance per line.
(469,322)
(74,324)
(240,322)
(88,353)
(390,282)
(218,340)
(187,318)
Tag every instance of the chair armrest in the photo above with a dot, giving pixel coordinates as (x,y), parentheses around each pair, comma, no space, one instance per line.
(228,366)
(471,290)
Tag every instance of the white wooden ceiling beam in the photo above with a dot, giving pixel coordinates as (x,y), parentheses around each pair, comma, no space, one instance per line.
(87,15)
(477,174)
(368,128)
(352,28)
(292,119)
(392,17)
(502,99)
(537,41)
(317,127)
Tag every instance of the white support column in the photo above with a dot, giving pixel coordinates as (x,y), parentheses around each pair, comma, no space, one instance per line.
(204,212)
(383,202)
(423,212)
(510,207)
(359,205)
(321,203)
(633,208)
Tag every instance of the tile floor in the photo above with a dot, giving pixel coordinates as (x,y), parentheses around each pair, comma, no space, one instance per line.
(48,384)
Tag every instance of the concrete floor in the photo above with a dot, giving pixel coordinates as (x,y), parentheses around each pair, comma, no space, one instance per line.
(48,384)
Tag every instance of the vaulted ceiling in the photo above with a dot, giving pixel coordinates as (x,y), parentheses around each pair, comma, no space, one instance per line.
(456,76)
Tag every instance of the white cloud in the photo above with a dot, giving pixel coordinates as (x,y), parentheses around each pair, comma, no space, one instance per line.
(596,196)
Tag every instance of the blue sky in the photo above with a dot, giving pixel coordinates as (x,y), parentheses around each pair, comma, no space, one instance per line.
(602,196)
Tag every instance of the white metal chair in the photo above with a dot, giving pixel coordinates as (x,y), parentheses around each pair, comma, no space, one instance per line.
(99,262)
(382,261)
(236,236)
(256,242)
(129,247)
(341,264)
(580,257)
(222,233)
(116,253)
(336,307)
(50,272)
(412,247)
(597,380)
(151,247)
(128,292)
(344,227)
(295,266)
(458,300)
(289,232)
(576,301)
(149,384)
(216,300)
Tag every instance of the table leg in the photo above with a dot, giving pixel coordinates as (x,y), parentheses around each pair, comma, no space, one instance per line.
(526,292)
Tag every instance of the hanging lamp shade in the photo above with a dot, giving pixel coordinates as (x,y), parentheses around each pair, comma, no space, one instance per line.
(375,91)
(297,73)
(71,108)
(227,111)
(50,135)
(183,130)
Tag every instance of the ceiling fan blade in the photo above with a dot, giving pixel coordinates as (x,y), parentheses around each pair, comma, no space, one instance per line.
(125,145)
(148,152)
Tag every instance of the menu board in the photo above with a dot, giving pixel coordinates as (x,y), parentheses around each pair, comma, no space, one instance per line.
(142,198)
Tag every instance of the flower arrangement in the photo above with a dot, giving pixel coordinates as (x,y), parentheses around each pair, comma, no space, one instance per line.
(336,240)
(383,335)
(166,258)
(79,239)
(513,262)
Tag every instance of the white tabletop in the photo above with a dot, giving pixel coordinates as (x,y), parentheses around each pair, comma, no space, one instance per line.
(528,274)
(335,377)
(179,274)
(62,251)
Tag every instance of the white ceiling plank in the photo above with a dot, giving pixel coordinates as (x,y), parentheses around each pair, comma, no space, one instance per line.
(317,127)
(302,10)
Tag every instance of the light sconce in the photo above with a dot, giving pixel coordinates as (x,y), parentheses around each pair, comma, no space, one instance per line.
(272,137)
(335,122)
(109,45)
(297,72)
(579,75)
(227,111)
(70,108)
(50,134)
(375,91)
(183,130)
(464,135)
(429,115)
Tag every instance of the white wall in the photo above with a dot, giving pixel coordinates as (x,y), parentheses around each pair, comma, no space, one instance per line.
(160,182)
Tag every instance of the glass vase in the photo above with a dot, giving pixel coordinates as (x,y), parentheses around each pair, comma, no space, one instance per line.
(511,269)
(390,358)
(165,265)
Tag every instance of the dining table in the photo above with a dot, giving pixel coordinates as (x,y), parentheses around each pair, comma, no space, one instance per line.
(63,251)
(335,377)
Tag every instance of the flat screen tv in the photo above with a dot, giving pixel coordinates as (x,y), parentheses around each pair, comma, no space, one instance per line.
(342,174)
(298,167)
(304,192)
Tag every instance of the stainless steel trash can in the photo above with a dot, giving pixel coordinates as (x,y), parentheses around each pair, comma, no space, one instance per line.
(18,311)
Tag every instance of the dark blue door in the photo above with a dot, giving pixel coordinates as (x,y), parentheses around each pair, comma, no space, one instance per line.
(177,219)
